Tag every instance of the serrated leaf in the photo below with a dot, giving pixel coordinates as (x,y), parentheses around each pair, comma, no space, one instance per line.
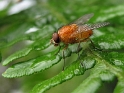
(17,55)
(90,85)
(114,58)
(111,13)
(34,36)
(32,66)
(94,81)
(47,17)
(37,45)
(71,71)
(110,41)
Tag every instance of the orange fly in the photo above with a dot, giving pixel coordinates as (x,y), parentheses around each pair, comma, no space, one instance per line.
(76,32)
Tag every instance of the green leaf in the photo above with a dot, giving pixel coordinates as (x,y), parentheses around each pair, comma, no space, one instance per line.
(115,58)
(73,70)
(112,12)
(107,75)
(90,85)
(110,41)
(32,66)
(120,86)
(47,17)
(16,55)
(98,74)
(38,45)
(34,36)
(93,82)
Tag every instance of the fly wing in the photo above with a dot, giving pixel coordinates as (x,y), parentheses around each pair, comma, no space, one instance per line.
(83,19)
(87,27)
(98,25)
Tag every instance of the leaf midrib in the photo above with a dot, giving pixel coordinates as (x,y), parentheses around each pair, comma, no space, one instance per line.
(118,72)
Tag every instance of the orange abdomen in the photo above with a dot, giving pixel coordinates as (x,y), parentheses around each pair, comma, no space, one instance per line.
(71,34)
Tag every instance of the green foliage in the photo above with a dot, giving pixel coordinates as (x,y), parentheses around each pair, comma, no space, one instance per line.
(47,17)
(74,69)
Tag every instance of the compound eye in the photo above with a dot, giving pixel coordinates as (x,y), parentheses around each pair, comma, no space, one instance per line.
(56,38)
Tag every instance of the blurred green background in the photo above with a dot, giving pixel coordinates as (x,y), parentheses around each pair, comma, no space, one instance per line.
(18,17)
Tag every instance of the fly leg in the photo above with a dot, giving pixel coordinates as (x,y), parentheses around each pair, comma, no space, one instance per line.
(58,50)
(94,46)
(64,56)
(78,50)
(64,60)
(79,54)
